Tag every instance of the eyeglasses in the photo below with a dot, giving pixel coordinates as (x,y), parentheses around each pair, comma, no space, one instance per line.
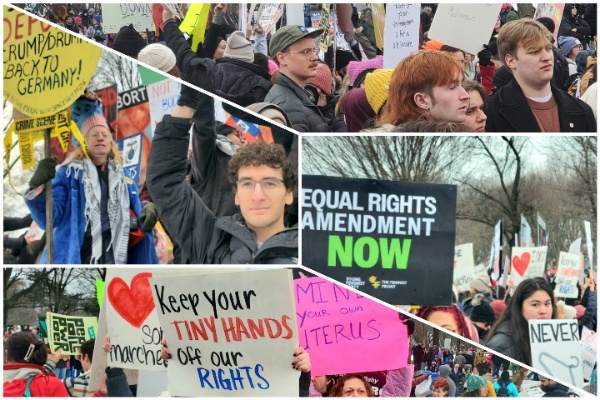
(267,185)
(307,52)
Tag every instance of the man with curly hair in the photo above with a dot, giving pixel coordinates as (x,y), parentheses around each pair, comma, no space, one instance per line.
(263,182)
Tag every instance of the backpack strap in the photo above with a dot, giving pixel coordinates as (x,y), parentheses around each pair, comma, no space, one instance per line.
(27,392)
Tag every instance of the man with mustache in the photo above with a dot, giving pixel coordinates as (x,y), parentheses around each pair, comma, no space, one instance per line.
(530,102)
(293,49)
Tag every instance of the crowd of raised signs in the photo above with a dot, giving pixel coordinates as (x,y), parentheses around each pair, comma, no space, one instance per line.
(348,90)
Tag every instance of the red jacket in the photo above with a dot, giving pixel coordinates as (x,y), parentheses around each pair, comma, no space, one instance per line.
(43,385)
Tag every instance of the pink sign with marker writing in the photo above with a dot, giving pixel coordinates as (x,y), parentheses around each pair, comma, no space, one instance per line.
(345,332)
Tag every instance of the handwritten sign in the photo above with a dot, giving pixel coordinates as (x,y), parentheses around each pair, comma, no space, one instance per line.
(133,326)
(194,23)
(131,149)
(70,332)
(527,262)
(324,24)
(480,270)
(230,334)
(45,68)
(401,36)
(464,26)
(391,240)
(117,15)
(556,350)
(463,266)
(332,321)
(163,98)
(567,275)
(588,351)
(271,12)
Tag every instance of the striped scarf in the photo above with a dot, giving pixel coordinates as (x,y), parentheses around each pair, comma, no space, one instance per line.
(118,207)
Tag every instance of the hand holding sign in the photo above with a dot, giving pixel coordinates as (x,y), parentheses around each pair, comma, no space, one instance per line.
(301,360)
(55,357)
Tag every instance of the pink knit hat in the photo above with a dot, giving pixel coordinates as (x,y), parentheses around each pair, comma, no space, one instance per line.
(273,67)
(356,67)
(94,120)
(499,306)
(323,79)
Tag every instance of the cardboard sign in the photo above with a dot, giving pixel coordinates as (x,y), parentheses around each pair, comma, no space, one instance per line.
(194,23)
(588,351)
(230,334)
(117,15)
(463,266)
(332,321)
(69,332)
(100,359)
(45,69)
(133,326)
(392,240)
(401,36)
(527,262)
(567,275)
(464,26)
(556,350)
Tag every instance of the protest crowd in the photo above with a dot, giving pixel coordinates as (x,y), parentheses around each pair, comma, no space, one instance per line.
(346,88)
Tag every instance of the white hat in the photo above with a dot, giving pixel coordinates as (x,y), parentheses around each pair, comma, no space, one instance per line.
(158,56)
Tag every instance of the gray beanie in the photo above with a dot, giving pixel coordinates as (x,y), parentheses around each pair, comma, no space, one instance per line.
(239,47)
(158,56)
(567,44)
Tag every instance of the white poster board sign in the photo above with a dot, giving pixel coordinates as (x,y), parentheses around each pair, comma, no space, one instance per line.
(220,326)
(100,358)
(271,12)
(447,343)
(588,351)
(133,327)
(525,232)
(480,270)
(556,350)
(465,26)
(527,262)
(152,383)
(117,15)
(590,245)
(575,247)
(567,275)
(463,266)
(494,265)
(401,32)
(162,97)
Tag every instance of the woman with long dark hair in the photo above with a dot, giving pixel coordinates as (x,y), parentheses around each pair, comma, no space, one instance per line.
(533,299)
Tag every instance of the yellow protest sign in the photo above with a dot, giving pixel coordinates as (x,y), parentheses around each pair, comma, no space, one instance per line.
(45,69)
(194,23)
(324,24)
(378,23)
(69,332)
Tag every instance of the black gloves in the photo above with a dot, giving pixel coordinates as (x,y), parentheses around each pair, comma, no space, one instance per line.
(188,97)
(45,172)
(485,56)
(149,216)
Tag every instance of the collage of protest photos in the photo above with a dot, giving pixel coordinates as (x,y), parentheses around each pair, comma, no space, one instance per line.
(297,187)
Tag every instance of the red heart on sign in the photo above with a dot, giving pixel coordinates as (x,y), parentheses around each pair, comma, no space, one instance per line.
(520,264)
(133,304)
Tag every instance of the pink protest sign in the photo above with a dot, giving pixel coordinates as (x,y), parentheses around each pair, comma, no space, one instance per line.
(345,332)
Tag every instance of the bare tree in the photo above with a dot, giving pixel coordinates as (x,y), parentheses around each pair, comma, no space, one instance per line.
(395,158)
(114,68)
(16,289)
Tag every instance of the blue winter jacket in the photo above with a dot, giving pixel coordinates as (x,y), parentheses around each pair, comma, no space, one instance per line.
(68,211)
